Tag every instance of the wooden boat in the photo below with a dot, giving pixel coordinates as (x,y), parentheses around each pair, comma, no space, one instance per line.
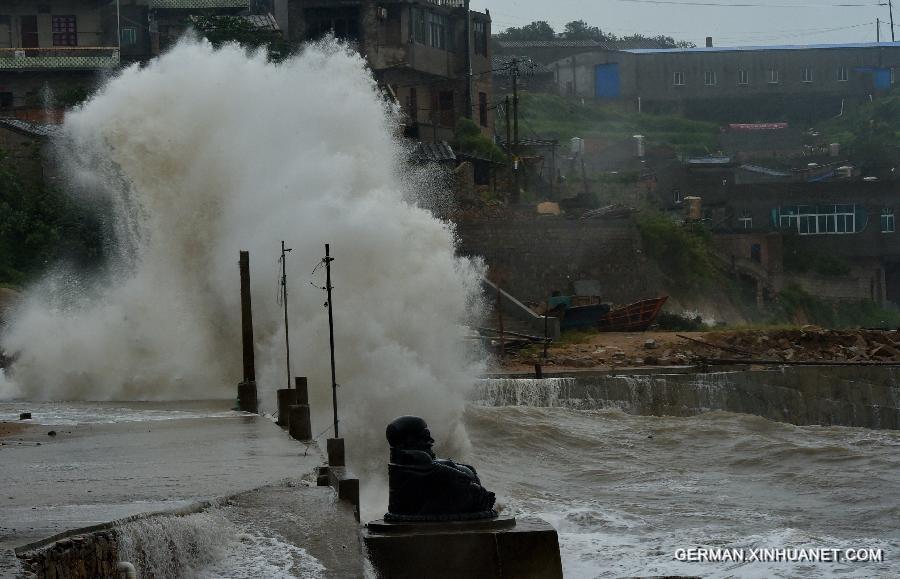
(635,317)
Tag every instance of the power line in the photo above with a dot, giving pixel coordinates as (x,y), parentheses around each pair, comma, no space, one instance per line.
(752,5)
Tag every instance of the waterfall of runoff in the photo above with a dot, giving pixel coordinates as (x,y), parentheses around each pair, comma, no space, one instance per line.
(206,152)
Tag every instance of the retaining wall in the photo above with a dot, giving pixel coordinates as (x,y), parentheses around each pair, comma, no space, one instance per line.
(840,396)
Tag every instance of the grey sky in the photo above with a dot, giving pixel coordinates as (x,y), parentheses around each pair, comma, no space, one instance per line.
(810,22)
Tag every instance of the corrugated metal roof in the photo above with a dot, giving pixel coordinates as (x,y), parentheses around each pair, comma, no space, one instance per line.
(499,61)
(263,21)
(33,129)
(645,43)
(555,43)
(759,48)
(764,171)
(433,152)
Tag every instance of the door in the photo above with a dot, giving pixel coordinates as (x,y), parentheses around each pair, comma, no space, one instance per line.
(608,81)
(29,31)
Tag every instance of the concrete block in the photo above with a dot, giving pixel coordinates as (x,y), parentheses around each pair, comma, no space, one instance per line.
(335,447)
(502,548)
(301,386)
(286,399)
(300,425)
(247,401)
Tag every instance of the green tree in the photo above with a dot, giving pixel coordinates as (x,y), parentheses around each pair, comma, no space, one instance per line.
(468,138)
(39,224)
(537,30)
(580,30)
(221,30)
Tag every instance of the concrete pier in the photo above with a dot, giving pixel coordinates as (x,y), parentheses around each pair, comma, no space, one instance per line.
(94,473)
(286,399)
(299,419)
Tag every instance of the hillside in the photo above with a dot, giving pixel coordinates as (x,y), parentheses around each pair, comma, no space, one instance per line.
(552,116)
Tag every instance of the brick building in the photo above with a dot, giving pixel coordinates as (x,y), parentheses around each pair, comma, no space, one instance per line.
(735,84)
(53,51)
(433,54)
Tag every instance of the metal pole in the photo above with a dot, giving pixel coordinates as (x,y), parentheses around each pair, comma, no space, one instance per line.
(509,162)
(328,259)
(468,61)
(515,81)
(287,336)
(891,10)
(247,319)
(877,30)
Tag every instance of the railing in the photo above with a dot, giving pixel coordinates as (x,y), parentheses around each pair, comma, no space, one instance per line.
(84,58)
(450,3)
(197,4)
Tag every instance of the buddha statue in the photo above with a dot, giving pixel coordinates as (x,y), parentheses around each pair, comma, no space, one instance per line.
(425,488)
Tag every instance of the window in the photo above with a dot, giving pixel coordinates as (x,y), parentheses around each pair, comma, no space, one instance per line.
(419,25)
(819,220)
(773,76)
(412,105)
(709,78)
(480,37)
(65,31)
(128,36)
(842,74)
(743,77)
(678,79)
(436,30)
(482,109)
(446,109)
(887,220)
(806,74)
(745,220)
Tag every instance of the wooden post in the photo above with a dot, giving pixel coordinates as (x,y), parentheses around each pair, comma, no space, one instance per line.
(247,319)
(247,397)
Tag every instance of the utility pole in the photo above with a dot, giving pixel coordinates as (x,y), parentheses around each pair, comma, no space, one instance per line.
(287,339)
(468,61)
(509,161)
(327,260)
(877,30)
(515,86)
(891,11)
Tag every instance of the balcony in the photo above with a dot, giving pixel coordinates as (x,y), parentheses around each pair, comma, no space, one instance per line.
(197,4)
(59,58)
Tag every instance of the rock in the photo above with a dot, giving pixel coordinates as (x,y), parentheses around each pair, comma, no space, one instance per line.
(25,416)
(51,433)
(651,361)
(651,345)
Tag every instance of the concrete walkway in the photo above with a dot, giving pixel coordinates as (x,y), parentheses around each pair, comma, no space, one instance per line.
(161,458)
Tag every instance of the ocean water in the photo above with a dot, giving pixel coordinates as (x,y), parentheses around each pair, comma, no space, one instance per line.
(625,492)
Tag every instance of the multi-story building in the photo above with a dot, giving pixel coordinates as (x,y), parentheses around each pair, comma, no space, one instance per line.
(53,47)
(54,51)
(738,84)
(433,54)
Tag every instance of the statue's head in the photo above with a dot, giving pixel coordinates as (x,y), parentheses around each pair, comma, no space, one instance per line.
(409,433)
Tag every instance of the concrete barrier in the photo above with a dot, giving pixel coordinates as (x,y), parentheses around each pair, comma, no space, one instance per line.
(247,400)
(287,397)
(493,549)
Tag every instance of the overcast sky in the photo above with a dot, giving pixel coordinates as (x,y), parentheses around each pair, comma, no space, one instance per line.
(768,22)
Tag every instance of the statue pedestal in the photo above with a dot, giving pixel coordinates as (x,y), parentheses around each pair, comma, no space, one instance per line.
(484,549)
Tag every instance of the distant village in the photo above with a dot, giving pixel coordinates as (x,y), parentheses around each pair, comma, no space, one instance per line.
(557,146)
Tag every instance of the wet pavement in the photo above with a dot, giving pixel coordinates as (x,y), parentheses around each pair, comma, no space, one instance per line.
(162,456)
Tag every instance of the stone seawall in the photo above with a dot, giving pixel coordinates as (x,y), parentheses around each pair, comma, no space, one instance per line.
(841,396)
(532,257)
(85,556)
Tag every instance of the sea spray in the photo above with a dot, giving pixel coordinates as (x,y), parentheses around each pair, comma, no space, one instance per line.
(202,153)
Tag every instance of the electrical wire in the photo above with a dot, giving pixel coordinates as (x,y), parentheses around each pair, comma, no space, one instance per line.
(752,5)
